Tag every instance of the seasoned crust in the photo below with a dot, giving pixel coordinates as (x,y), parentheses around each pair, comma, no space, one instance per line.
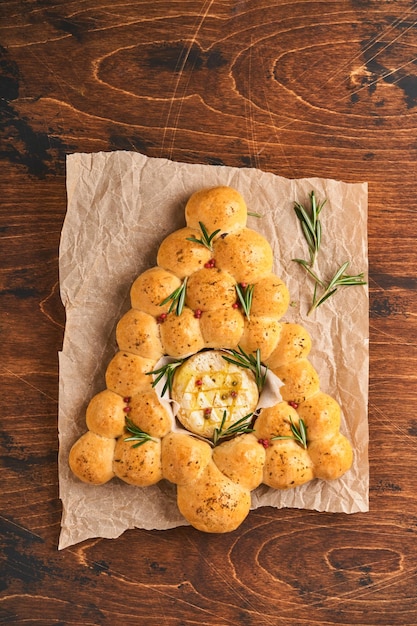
(138,332)
(245,254)
(210,289)
(181,256)
(217,208)
(213,503)
(91,458)
(151,288)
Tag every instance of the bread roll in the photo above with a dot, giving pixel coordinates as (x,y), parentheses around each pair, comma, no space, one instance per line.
(151,288)
(184,458)
(181,335)
(210,289)
(242,460)
(217,208)
(222,328)
(213,503)
(138,332)
(91,458)
(141,465)
(127,374)
(105,414)
(245,254)
(181,256)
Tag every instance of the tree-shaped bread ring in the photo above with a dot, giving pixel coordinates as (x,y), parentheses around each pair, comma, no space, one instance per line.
(212,298)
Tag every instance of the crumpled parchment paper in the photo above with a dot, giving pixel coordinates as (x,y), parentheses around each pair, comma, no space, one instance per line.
(121,205)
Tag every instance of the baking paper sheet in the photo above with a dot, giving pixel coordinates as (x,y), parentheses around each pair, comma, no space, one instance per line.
(121,205)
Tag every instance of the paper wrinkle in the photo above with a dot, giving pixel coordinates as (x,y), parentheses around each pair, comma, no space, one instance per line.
(121,205)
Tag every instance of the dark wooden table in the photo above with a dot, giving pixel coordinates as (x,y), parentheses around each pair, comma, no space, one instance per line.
(297,88)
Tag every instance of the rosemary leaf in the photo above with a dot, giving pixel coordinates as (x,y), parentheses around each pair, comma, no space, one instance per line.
(167,371)
(299,433)
(138,435)
(239,427)
(245,295)
(206,239)
(250,362)
(177,298)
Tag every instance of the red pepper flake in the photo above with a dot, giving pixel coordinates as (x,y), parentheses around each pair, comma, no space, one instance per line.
(127,409)
(127,399)
(235,305)
(199,382)
(207,412)
(198,313)
(264,443)
(210,264)
(233,394)
(293,404)
(243,285)
(161,318)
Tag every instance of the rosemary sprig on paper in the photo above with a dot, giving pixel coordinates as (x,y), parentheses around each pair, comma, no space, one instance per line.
(168,372)
(299,433)
(138,435)
(206,239)
(238,428)
(311,225)
(251,362)
(340,279)
(312,230)
(245,295)
(177,298)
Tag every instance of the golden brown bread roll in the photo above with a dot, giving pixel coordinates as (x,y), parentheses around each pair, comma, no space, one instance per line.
(210,289)
(260,333)
(217,208)
(105,414)
(331,457)
(127,374)
(294,343)
(151,288)
(245,254)
(181,256)
(184,458)
(300,380)
(222,328)
(287,465)
(141,465)
(271,297)
(147,412)
(321,414)
(242,460)
(91,458)
(138,332)
(181,334)
(213,503)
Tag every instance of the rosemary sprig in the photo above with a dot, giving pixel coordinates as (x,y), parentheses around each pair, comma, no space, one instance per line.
(340,279)
(177,298)
(312,231)
(137,433)
(245,295)
(310,224)
(206,239)
(167,371)
(238,428)
(251,362)
(299,433)
(254,214)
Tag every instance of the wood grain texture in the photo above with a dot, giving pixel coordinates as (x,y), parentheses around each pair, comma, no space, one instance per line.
(297,88)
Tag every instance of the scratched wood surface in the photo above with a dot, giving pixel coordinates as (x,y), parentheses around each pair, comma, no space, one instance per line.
(297,88)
